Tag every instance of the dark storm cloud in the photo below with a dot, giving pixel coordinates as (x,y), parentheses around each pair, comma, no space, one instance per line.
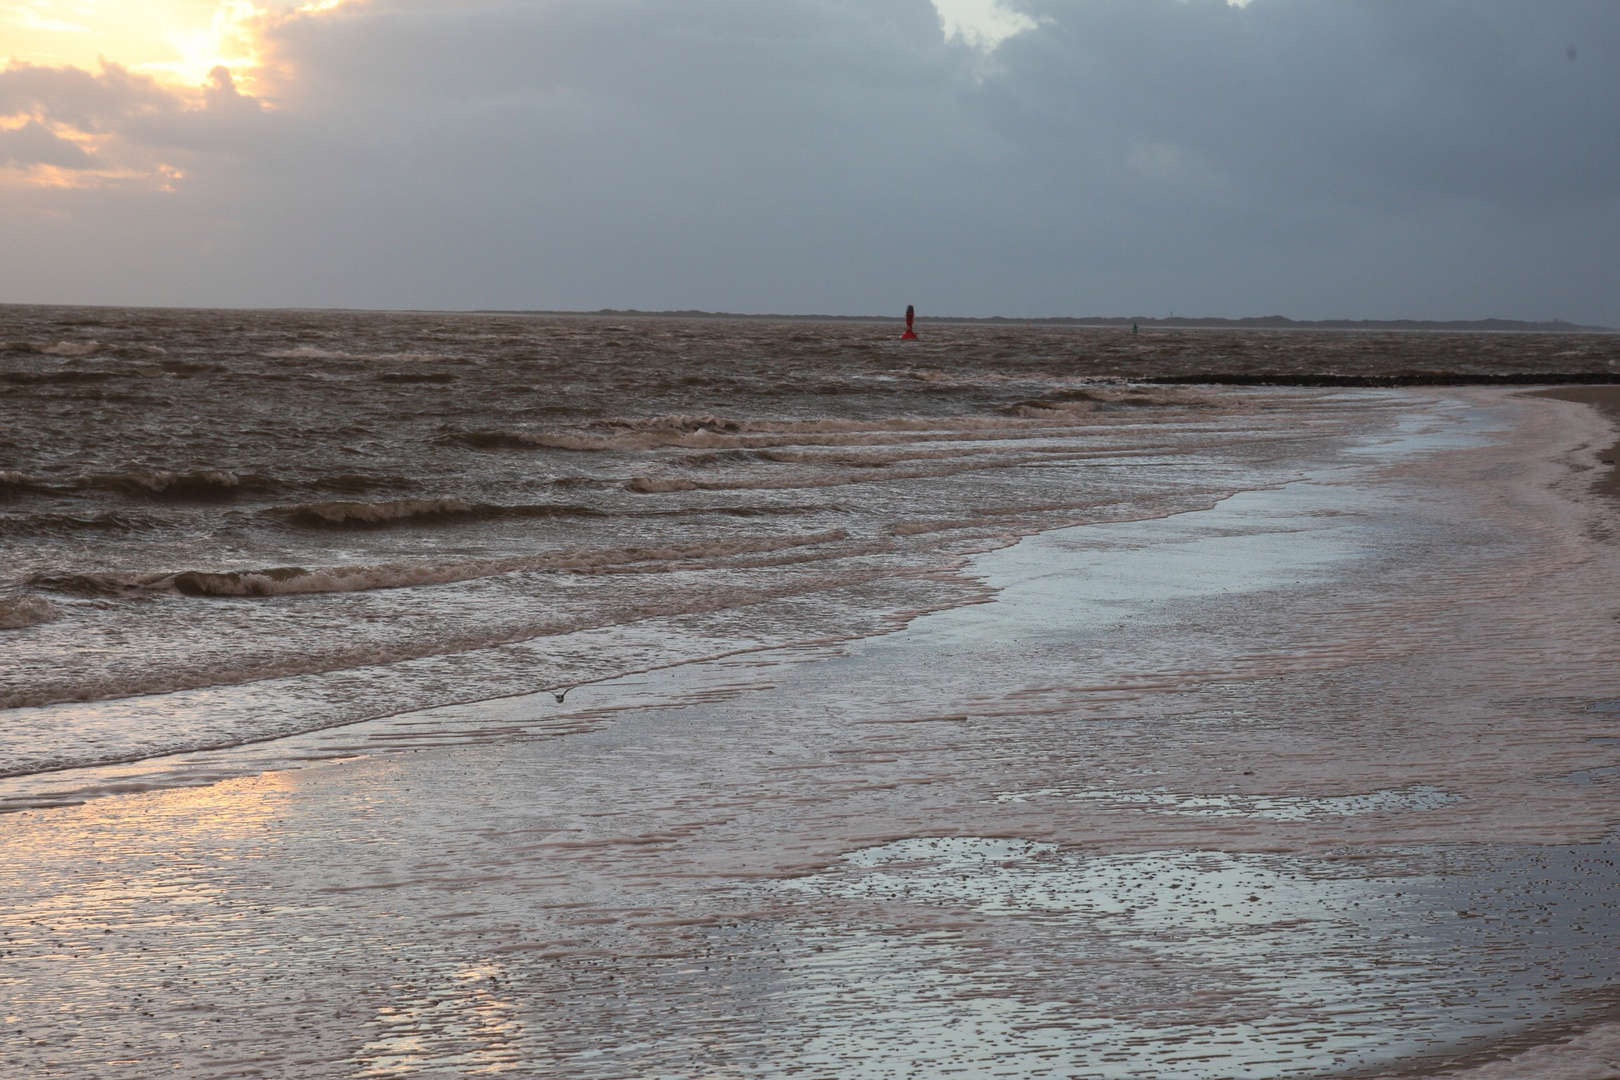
(1363,101)
(1315,157)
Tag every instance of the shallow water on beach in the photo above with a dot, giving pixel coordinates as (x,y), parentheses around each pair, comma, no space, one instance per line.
(1313,781)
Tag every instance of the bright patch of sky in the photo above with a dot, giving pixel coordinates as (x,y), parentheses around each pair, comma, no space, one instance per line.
(984,24)
(177,41)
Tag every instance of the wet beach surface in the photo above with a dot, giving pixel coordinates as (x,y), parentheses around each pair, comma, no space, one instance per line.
(1316,780)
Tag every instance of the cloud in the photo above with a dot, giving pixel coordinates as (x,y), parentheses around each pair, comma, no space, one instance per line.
(90,101)
(983,24)
(35,144)
(115,125)
(1364,102)
(1315,157)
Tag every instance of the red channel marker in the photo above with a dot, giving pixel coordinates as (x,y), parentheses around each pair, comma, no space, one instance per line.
(910,334)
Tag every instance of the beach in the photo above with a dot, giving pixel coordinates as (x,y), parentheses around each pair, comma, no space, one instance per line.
(1310,781)
(952,715)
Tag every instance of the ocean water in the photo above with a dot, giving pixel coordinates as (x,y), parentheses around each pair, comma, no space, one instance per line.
(221,527)
(416,695)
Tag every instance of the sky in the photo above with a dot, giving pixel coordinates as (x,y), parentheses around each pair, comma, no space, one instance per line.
(1311,158)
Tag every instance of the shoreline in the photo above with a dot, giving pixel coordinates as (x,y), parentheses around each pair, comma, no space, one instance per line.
(1606,400)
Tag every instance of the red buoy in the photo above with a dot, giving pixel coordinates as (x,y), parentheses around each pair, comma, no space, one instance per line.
(910,334)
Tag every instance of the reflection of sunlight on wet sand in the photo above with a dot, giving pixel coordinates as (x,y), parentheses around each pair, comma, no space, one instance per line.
(180,830)
(463,1024)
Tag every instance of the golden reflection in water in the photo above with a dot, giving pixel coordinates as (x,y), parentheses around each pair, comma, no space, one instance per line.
(159,841)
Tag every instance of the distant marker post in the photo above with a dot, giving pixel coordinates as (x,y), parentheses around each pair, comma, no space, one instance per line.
(910,334)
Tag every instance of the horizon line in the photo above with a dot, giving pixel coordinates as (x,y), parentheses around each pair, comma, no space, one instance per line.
(1255,322)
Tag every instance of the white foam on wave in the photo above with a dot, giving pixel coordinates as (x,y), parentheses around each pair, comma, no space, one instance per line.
(72,348)
(198,482)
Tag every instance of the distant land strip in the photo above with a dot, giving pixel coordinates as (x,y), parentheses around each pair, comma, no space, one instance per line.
(1425,378)
(1260,322)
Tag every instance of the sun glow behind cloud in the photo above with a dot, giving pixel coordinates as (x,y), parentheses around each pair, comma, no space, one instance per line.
(178,42)
(175,62)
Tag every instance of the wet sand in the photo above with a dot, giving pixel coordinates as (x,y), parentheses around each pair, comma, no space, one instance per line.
(1314,782)
(1605,399)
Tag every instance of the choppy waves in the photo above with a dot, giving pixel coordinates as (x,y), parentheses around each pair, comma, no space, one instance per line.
(200,498)
(76,350)
(311,352)
(13,484)
(49,524)
(19,612)
(417,511)
(208,484)
(297,581)
(1026,419)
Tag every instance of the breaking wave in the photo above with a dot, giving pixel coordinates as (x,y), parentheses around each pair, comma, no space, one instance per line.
(419,511)
(296,580)
(201,485)
(13,484)
(1069,402)
(1039,418)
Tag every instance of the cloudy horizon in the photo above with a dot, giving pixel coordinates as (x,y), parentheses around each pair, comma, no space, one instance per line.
(1313,158)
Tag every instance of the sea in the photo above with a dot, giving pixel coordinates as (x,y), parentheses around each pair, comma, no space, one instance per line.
(281,521)
(236,533)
